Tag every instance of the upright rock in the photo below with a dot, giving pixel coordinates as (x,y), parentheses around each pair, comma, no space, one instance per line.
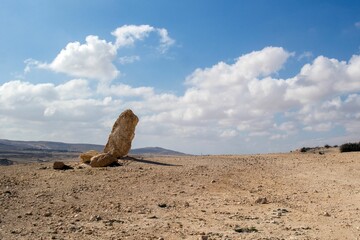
(122,134)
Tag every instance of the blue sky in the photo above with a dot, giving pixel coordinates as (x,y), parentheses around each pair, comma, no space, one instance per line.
(203,76)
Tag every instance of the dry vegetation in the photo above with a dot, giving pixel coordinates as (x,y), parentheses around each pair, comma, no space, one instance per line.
(275,196)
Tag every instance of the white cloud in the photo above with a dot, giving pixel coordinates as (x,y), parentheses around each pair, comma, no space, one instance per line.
(127,35)
(95,58)
(128,59)
(305,55)
(165,40)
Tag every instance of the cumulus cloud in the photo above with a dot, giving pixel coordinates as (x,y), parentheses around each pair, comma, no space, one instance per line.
(128,34)
(95,58)
(229,106)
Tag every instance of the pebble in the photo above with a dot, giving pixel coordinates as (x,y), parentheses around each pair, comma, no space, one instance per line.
(162,205)
(326,214)
(262,200)
(28,213)
(95,218)
(47,214)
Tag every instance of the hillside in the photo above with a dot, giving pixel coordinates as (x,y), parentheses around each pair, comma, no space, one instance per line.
(10,145)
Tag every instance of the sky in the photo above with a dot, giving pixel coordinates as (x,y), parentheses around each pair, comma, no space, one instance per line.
(204,77)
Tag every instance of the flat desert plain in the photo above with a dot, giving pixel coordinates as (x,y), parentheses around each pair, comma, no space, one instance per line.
(268,196)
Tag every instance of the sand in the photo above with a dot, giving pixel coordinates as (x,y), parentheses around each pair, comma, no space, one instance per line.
(299,195)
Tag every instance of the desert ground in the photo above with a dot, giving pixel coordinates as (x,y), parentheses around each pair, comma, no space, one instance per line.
(266,196)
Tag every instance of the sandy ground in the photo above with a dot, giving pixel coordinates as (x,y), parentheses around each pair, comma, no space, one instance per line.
(308,196)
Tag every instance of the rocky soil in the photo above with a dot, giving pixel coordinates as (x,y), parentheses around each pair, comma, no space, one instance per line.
(274,196)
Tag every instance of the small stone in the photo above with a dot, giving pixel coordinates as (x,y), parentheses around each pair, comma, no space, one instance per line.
(58,165)
(326,214)
(28,213)
(47,214)
(162,205)
(95,218)
(61,166)
(204,237)
(262,200)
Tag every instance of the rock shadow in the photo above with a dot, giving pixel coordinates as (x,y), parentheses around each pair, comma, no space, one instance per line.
(134,159)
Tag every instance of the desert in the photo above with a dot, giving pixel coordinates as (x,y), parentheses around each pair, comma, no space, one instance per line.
(296,195)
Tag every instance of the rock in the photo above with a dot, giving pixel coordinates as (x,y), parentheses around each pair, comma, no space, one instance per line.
(162,205)
(102,160)
(326,214)
(122,134)
(95,218)
(261,200)
(58,165)
(86,157)
(5,162)
(47,214)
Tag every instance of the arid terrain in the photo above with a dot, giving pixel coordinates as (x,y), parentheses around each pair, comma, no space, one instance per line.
(274,196)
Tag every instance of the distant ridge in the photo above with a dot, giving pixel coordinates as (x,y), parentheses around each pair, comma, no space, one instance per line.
(47,146)
(10,145)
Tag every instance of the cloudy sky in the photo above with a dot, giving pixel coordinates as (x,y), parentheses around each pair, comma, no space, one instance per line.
(204,77)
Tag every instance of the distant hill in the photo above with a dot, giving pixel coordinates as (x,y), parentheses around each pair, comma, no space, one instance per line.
(18,146)
(10,145)
(155,151)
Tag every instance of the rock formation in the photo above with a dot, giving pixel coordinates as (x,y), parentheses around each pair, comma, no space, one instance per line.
(102,160)
(122,134)
(86,157)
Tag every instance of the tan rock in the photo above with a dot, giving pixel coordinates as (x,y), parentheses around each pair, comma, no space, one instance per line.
(102,160)
(122,134)
(58,165)
(86,157)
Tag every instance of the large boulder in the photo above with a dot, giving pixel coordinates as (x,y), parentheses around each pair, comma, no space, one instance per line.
(122,134)
(102,160)
(86,157)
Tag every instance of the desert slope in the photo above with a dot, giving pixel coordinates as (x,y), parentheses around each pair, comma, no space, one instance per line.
(310,196)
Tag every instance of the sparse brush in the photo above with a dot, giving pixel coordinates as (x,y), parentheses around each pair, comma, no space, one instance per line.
(304,149)
(350,147)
